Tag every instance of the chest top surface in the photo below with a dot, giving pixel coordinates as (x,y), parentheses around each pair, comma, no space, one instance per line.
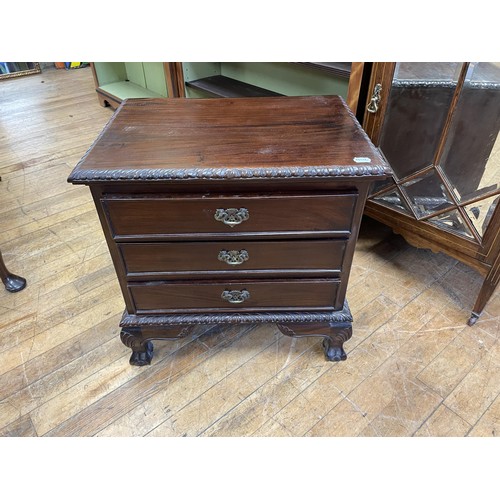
(265,137)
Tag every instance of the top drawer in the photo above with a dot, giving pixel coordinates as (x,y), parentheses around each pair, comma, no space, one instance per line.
(138,215)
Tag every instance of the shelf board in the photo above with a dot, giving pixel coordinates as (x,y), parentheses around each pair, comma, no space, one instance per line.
(341,69)
(126,90)
(222,86)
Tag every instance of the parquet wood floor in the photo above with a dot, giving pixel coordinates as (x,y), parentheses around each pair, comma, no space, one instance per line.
(414,368)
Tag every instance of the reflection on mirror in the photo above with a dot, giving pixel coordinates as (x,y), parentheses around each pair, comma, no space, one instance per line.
(392,199)
(419,101)
(471,158)
(427,194)
(481,212)
(14,69)
(452,221)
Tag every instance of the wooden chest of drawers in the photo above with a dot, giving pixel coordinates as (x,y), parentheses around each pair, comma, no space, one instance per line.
(232,211)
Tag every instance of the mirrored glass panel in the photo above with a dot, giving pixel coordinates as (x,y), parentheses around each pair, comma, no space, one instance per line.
(378,186)
(481,212)
(393,199)
(427,194)
(419,100)
(471,156)
(452,221)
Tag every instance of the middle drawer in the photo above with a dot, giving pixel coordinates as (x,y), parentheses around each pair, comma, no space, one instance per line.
(238,255)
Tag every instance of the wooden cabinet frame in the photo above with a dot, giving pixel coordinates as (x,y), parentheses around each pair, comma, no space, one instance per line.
(483,254)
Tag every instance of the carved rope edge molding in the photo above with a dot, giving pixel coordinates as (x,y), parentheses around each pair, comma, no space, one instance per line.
(225,173)
(446,84)
(205,319)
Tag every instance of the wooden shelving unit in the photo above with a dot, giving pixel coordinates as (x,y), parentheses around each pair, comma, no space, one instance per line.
(237,79)
(116,81)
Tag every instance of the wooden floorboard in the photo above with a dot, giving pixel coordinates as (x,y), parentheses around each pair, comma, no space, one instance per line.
(414,368)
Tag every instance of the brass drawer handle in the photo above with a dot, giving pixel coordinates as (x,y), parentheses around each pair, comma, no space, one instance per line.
(233,257)
(375,100)
(235,296)
(231,216)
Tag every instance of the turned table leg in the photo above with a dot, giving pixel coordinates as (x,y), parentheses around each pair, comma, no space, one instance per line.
(12,282)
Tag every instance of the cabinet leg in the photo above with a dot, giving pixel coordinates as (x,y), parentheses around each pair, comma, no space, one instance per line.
(11,282)
(142,349)
(335,334)
(489,285)
(139,340)
(333,345)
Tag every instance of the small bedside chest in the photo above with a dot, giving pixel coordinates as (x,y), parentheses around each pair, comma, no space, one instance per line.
(232,211)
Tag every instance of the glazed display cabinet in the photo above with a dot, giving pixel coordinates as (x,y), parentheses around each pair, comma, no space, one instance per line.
(437,126)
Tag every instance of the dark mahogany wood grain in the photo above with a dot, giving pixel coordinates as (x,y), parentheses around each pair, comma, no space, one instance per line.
(229,134)
(264,295)
(266,256)
(151,215)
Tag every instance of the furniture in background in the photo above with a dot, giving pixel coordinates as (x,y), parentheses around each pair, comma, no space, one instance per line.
(116,81)
(12,282)
(16,69)
(437,126)
(225,210)
(255,79)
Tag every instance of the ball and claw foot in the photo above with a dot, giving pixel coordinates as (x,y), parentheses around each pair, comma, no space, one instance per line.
(333,352)
(14,283)
(142,358)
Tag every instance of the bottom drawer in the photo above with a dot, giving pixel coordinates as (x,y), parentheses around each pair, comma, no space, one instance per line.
(245,295)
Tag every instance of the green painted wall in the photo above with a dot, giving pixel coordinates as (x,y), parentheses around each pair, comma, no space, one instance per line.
(155,77)
(196,70)
(135,73)
(110,72)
